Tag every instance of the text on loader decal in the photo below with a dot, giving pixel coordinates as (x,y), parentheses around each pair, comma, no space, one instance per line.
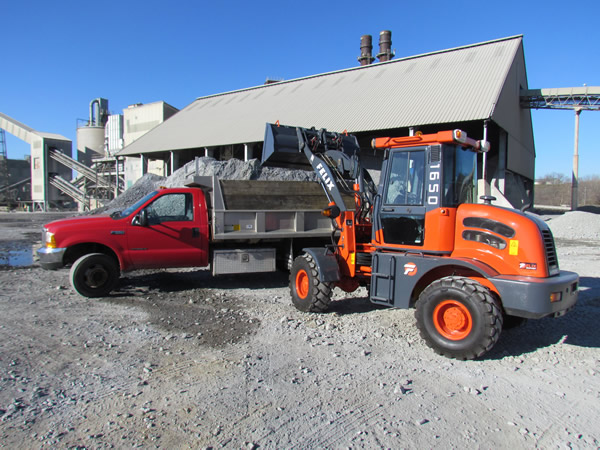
(433,187)
(328,182)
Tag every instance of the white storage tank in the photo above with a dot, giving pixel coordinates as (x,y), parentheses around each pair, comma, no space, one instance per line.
(90,144)
(90,138)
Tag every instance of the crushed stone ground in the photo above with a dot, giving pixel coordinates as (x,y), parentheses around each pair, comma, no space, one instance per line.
(181,359)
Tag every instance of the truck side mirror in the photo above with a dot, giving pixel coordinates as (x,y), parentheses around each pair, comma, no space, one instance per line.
(141,219)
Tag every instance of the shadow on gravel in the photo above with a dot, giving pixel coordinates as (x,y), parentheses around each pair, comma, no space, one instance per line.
(578,327)
(197,279)
(353,305)
(191,306)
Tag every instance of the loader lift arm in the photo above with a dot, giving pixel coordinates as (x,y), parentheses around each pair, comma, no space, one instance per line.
(332,156)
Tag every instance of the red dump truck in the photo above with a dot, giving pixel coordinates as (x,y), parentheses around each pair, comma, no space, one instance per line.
(235,226)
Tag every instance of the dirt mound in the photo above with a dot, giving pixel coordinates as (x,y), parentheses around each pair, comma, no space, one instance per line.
(576,225)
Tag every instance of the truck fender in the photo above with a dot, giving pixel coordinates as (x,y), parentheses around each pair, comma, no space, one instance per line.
(327,264)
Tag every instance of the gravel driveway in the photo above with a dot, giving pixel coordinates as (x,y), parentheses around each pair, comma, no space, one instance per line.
(179,359)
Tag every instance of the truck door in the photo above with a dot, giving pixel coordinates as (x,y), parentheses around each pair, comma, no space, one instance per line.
(173,236)
(401,212)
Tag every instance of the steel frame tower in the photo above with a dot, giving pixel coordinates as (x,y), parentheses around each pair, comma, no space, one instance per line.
(586,98)
(4,181)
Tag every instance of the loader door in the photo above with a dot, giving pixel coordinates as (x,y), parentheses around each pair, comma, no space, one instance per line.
(402,205)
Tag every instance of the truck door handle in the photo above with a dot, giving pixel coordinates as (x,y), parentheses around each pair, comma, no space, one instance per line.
(387,209)
(195,232)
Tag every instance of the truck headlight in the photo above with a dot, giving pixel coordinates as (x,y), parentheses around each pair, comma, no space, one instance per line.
(50,240)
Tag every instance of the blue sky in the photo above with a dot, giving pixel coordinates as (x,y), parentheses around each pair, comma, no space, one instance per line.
(58,56)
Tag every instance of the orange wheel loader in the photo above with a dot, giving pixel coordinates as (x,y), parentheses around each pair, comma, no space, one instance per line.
(419,239)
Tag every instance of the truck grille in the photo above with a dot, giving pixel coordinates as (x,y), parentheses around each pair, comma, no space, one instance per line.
(550,252)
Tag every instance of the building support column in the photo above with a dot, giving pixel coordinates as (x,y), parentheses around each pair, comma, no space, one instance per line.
(575,178)
(248,151)
(116,176)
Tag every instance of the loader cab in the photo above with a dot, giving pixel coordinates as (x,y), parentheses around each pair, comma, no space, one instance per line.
(423,180)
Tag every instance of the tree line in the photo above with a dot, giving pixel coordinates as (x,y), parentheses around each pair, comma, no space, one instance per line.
(554,189)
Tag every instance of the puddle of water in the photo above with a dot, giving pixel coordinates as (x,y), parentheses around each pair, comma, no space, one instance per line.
(17,254)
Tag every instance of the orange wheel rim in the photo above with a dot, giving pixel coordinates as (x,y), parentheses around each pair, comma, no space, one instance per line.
(302,284)
(452,320)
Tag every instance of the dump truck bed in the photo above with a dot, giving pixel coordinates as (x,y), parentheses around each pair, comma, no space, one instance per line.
(256,209)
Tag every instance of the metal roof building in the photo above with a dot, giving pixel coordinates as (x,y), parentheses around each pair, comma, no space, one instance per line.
(475,87)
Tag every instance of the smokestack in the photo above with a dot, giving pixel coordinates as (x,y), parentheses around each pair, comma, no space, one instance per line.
(366,47)
(385,46)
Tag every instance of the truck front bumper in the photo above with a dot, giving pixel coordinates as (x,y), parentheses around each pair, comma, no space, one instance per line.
(51,258)
(534,298)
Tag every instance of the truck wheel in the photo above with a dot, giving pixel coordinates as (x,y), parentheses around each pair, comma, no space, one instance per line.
(94,275)
(308,293)
(458,318)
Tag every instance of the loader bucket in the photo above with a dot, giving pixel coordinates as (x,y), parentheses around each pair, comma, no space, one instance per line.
(282,146)
(282,149)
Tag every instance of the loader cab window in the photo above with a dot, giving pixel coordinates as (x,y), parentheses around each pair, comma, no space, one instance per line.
(459,176)
(406,178)
(171,208)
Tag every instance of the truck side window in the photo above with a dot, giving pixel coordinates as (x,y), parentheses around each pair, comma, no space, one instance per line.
(171,208)
(406,179)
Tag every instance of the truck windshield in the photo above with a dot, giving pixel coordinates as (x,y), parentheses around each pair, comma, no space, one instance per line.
(459,176)
(136,205)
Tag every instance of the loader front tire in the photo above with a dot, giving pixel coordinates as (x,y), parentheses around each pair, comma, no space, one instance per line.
(309,294)
(459,318)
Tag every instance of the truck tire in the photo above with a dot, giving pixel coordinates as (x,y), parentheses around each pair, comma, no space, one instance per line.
(308,293)
(94,275)
(459,318)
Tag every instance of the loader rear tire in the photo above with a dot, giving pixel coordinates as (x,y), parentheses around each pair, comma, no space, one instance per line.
(309,294)
(95,275)
(459,318)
